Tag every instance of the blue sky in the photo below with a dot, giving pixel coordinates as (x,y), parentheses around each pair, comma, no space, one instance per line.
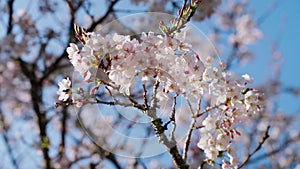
(282,27)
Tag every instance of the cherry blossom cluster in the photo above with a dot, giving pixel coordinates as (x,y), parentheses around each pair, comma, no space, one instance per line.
(241,27)
(232,103)
(122,59)
(246,31)
(118,60)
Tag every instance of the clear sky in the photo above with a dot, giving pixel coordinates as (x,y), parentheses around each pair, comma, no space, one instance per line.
(281,26)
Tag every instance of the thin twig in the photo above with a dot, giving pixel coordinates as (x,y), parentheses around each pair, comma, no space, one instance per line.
(262,141)
(172,118)
(136,104)
(102,152)
(100,20)
(111,95)
(191,128)
(283,146)
(182,9)
(209,109)
(145,97)
(117,102)
(64,55)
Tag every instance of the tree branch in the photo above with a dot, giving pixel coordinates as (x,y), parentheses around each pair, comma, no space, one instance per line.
(160,131)
(109,10)
(53,66)
(209,109)
(10,4)
(102,152)
(285,144)
(6,140)
(262,141)
(191,128)
(172,118)
(63,132)
(36,97)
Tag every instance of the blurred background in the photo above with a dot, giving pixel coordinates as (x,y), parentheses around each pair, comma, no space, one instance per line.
(260,38)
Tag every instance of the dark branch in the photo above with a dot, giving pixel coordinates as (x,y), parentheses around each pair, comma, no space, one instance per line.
(285,144)
(63,132)
(262,141)
(10,16)
(109,10)
(36,97)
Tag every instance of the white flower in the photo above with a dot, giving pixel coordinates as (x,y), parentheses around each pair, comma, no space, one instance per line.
(211,153)
(222,142)
(227,165)
(73,49)
(64,89)
(83,63)
(208,74)
(247,78)
(203,141)
(87,51)
(232,157)
(127,46)
(123,80)
(209,123)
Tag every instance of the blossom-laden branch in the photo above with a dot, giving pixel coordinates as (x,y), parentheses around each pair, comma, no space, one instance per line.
(233,99)
(174,69)
(40,72)
(184,16)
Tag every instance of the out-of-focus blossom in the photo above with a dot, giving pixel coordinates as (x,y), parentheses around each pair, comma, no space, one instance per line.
(246,31)
(154,5)
(226,18)
(206,9)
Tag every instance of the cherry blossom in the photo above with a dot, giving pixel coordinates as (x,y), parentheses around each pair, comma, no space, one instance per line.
(159,71)
(171,61)
(64,89)
(246,33)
